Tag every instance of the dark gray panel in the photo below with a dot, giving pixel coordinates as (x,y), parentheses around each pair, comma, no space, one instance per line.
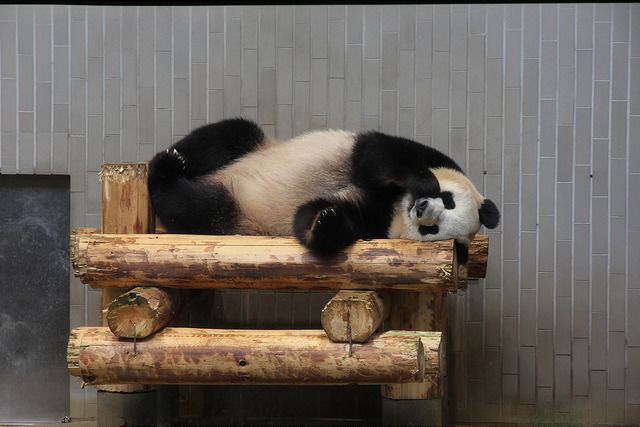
(34,298)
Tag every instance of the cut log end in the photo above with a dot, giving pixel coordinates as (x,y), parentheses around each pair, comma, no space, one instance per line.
(142,311)
(353,316)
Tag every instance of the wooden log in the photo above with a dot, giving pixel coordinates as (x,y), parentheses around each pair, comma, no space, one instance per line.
(421,311)
(126,208)
(353,316)
(258,262)
(214,356)
(142,311)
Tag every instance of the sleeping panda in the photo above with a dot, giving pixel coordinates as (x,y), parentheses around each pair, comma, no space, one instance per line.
(327,188)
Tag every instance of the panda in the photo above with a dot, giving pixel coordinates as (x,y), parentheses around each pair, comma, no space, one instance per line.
(327,188)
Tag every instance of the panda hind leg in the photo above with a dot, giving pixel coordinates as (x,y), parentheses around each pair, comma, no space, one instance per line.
(215,145)
(325,226)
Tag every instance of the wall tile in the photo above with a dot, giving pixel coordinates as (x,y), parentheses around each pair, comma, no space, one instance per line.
(562,329)
(601,50)
(527,375)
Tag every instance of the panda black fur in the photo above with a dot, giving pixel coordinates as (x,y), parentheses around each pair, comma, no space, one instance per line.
(327,188)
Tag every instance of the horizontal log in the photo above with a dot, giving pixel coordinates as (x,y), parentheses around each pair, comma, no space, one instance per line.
(213,356)
(258,262)
(353,316)
(142,311)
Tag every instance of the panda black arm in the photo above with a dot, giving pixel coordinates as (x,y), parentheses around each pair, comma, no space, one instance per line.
(326,226)
(384,162)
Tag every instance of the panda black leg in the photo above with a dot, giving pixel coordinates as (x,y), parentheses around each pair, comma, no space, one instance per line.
(462,252)
(325,226)
(190,207)
(215,145)
(185,205)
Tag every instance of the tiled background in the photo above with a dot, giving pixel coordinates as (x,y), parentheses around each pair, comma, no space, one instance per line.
(539,103)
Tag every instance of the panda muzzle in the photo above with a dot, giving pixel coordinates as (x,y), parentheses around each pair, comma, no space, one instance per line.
(420,206)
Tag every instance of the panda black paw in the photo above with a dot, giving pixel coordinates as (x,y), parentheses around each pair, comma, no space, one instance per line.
(328,221)
(168,163)
(172,152)
(323,228)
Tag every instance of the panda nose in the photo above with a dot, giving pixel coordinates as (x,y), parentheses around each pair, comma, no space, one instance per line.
(421,205)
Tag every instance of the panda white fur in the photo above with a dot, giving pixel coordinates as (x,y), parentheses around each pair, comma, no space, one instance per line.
(327,188)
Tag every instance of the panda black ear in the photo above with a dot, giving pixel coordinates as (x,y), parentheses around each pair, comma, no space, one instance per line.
(489,214)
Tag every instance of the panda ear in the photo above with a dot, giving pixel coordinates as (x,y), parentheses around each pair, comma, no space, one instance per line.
(489,214)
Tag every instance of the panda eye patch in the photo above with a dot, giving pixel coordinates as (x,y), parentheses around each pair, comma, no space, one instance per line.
(447,199)
(428,229)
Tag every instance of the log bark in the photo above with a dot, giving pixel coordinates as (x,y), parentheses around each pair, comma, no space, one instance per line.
(213,356)
(126,209)
(353,316)
(257,262)
(142,311)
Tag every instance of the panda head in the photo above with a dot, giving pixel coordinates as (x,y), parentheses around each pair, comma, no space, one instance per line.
(457,213)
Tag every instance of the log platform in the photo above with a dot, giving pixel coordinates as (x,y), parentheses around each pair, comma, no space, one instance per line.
(399,286)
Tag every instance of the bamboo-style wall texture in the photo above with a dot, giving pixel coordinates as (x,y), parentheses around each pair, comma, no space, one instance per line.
(539,103)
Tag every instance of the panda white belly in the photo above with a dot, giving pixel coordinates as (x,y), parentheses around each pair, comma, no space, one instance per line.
(270,183)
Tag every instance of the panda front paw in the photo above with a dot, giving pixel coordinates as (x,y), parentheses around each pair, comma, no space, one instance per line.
(327,221)
(324,227)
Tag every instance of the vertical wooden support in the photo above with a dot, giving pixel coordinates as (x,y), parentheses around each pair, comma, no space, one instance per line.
(418,403)
(126,209)
(422,311)
(418,311)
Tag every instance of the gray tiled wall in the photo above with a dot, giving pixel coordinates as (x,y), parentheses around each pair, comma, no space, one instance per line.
(540,104)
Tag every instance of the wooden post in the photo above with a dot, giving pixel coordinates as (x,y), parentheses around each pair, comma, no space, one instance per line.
(417,403)
(223,356)
(142,311)
(426,311)
(353,316)
(126,208)
(258,262)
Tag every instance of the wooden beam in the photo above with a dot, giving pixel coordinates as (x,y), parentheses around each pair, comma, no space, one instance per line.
(257,262)
(142,311)
(353,316)
(215,356)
